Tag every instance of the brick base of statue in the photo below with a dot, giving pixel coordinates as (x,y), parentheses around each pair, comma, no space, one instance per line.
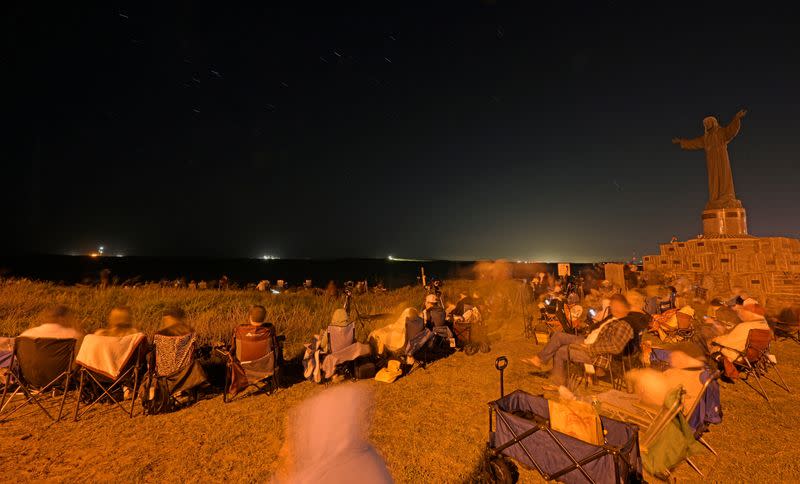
(767,268)
(724,222)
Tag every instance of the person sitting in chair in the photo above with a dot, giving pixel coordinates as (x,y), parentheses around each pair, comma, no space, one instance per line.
(173,323)
(463,304)
(719,320)
(752,316)
(57,323)
(258,317)
(609,338)
(637,317)
(433,314)
(119,323)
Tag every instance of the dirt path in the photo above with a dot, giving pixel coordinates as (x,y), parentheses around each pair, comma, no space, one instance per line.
(430,427)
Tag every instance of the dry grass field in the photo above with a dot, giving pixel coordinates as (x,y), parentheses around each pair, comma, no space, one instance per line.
(430,426)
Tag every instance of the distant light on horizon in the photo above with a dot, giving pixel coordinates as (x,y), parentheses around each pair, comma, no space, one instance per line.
(269,257)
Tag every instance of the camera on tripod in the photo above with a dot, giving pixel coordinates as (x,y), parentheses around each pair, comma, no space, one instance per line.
(349,286)
(435,287)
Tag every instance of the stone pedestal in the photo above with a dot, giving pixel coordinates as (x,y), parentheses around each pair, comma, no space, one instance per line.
(725,222)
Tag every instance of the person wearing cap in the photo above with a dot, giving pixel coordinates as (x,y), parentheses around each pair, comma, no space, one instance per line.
(433,314)
(119,323)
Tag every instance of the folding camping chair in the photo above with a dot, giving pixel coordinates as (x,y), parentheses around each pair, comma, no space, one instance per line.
(253,360)
(6,357)
(755,360)
(106,365)
(553,316)
(519,427)
(342,350)
(613,366)
(39,366)
(683,331)
(171,369)
(651,419)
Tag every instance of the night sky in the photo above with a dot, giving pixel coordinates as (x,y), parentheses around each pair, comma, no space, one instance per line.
(463,130)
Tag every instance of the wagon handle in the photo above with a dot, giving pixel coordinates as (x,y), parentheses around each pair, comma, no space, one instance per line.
(500,364)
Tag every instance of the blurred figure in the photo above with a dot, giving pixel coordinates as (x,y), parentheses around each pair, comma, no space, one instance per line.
(202,285)
(462,305)
(263,285)
(57,323)
(223,283)
(331,291)
(192,285)
(173,323)
(105,278)
(637,317)
(119,323)
(752,315)
(326,441)
(604,312)
(722,313)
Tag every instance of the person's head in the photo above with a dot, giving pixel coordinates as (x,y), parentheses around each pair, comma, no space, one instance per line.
(258,314)
(120,317)
(60,315)
(709,123)
(635,300)
(431,300)
(619,306)
(172,316)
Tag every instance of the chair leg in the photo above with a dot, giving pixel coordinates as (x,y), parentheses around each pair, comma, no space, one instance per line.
(78,400)
(9,376)
(611,374)
(754,373)
(64,397)
(693,466)
(226,388)
(134,390)
(782,384)
(707,445)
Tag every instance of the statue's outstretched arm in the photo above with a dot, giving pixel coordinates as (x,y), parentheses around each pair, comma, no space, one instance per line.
(690,144)
(732,129)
